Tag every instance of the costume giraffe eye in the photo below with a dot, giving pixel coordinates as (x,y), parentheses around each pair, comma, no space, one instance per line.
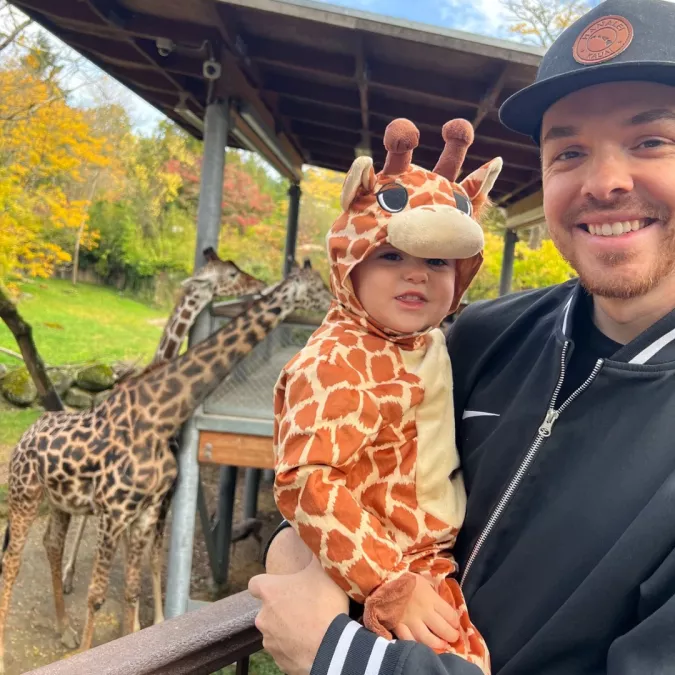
(392,198)
(463,204)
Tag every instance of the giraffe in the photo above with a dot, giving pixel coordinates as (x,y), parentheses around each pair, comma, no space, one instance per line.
(366,468)
(218,278)
(114,460)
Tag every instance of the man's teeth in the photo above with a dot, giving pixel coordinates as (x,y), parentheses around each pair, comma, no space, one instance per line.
(615,229)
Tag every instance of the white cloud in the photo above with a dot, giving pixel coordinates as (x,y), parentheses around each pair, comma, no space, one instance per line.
(484,17)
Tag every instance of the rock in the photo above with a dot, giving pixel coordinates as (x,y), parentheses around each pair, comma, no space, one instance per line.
(3,370)
(78,398)
(101,396)
(96,378)
(62,380)
(18,388)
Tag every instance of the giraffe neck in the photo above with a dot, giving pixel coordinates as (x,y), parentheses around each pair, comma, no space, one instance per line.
(194,299)
(179,386)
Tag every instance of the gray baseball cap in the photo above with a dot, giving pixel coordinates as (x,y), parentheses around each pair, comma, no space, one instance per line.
(619,40)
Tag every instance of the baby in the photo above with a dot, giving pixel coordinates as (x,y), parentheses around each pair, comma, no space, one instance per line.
(367,471)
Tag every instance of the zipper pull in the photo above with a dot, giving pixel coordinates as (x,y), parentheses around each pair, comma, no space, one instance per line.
(547,424)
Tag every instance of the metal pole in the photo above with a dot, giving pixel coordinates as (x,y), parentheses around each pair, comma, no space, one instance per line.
(294,194)
(251,489)
(510,239)
(185,499)
(292,226)
(227,487)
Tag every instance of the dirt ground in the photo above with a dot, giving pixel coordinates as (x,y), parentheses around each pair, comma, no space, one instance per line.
(31,638)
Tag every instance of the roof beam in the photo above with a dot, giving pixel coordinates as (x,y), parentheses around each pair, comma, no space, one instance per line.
(489,99)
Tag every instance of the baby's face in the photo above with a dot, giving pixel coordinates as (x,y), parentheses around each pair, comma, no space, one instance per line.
(402,292)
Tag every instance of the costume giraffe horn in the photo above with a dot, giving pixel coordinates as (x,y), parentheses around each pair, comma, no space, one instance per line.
(458,136)
(400,139)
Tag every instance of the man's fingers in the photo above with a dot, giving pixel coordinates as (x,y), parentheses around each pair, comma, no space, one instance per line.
(256,585)
(441,628)
(447,611)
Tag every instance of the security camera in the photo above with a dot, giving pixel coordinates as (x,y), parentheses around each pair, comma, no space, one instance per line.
(211,69)
(165,46)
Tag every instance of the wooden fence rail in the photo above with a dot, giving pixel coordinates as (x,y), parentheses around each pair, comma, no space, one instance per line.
(199,643)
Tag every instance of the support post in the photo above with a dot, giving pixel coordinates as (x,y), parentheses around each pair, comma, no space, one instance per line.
(222,529)
(292,226)
(510,239)
(251,489)
(185,498)
(294,194)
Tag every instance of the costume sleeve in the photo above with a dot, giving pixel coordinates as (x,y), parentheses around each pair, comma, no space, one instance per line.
(649,647)
(327,419)
(349,649)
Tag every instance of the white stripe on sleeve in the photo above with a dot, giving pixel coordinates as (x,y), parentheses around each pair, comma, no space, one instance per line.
(343,645)
(376,656)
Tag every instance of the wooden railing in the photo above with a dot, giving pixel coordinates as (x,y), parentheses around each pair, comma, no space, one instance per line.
(199,643)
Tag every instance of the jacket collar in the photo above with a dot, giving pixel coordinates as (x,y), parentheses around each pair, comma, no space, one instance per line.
(655,346)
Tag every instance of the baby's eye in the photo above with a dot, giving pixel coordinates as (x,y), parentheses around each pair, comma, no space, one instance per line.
(437,262)
(391,256)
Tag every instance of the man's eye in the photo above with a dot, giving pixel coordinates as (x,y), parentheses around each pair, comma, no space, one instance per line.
(652,143)
(568,154)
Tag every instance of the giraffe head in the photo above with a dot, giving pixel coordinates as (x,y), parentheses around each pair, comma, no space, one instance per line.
(423,213)
(224,278)
(306,291)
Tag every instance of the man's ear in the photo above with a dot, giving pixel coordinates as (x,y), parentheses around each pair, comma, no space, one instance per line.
(479,183)
(361,175)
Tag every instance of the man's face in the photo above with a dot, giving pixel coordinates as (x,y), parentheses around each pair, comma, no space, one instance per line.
(608,158)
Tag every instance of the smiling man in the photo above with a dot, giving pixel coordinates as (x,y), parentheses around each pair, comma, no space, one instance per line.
(565,399)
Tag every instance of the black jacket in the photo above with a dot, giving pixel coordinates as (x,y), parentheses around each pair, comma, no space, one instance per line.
(568,547)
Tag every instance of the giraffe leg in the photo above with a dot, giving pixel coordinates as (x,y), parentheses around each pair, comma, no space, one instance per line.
(139,533)
(69,570)
(109,533)
(54,541)
(21,518)
(157,559)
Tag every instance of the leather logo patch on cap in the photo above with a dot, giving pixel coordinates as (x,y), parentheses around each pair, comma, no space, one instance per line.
(603,40)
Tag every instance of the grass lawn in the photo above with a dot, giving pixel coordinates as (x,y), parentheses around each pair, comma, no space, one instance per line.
(83,323)
(13,422)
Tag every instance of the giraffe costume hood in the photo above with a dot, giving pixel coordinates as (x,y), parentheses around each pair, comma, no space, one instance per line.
(423,213)
(367,471)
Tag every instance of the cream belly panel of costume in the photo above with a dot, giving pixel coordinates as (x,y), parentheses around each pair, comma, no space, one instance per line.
(439,484)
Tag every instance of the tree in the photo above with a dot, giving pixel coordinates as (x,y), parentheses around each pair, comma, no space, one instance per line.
(541,21)
(12,25)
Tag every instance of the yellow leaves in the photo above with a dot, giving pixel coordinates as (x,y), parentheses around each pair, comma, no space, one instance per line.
(532,268)
(48,152)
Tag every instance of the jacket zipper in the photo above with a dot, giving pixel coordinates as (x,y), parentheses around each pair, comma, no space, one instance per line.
(543,433)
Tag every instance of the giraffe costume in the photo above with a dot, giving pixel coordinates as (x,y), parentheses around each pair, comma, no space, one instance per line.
(366,467)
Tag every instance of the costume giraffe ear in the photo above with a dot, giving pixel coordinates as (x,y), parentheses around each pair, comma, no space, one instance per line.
(361,174)
(479,183)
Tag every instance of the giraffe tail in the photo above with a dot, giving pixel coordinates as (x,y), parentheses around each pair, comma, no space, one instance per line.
(5,544)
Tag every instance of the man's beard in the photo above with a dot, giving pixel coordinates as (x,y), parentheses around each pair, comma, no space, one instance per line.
(598,278)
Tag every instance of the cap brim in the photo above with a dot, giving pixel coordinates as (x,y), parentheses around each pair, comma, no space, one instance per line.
(523,112)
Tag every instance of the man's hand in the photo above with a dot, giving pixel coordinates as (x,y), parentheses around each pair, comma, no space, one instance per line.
(296,613)
(428,618)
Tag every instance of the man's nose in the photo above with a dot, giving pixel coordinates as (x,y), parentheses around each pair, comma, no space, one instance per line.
(608,175)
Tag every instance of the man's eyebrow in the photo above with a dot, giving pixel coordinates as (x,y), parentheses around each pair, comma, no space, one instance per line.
(651,116)
(560,132)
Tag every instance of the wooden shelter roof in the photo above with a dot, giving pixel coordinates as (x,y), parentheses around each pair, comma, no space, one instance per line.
(322,82)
